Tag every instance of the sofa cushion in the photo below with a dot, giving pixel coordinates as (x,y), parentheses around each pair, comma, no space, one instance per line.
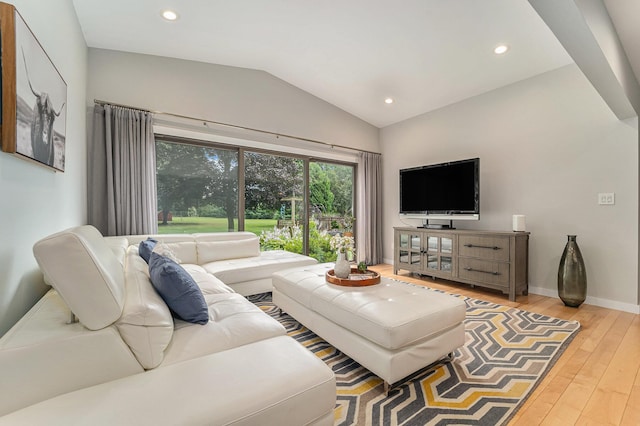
(146,324)
(207,282)
(43,356)
(271,382)
(211,251)
(234,322)
(84,270)
(178,289)
(146,247)
(233,271)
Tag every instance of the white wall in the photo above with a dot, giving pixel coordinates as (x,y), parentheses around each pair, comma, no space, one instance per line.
(36,201)
(547,146)
(221,93)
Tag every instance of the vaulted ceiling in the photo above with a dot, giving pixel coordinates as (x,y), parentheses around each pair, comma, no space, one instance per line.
(424,54)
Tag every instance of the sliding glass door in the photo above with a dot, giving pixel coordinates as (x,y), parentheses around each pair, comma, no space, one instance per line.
(274,203)
(197,188)
(293,203)
(331,206)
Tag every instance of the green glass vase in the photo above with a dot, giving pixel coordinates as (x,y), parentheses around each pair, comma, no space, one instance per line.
(572,275)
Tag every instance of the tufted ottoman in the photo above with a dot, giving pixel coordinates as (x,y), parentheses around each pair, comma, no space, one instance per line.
(393,329)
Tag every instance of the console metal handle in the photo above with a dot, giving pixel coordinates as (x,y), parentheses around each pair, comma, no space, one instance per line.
(480,270)
(487,247)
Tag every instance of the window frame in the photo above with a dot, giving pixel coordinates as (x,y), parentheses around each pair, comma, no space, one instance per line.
(240,150)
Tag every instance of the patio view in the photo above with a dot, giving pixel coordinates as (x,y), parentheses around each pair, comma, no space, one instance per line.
(202,189)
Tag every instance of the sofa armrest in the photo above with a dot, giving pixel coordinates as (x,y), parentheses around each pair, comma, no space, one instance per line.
(272,382)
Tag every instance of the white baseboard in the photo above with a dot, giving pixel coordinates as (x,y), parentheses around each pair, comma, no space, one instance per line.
(596,301)
(543,291)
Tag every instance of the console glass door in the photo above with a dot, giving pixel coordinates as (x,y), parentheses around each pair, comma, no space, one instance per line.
(438,253)
(446,263)
(432,244)
(410,252)
(415,242)
(432,261)
(446,245)
(404,240)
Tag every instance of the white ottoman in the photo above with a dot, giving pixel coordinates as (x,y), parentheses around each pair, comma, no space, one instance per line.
(393,329)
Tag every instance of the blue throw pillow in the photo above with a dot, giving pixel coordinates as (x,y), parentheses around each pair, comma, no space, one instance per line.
(178,289)
(146,247)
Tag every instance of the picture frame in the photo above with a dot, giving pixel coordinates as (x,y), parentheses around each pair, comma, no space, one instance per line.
(34,95)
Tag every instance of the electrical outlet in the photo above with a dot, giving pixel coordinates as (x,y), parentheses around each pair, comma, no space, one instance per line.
(606,198)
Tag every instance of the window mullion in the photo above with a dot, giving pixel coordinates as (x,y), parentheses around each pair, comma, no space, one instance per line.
(305,234)
(241,190)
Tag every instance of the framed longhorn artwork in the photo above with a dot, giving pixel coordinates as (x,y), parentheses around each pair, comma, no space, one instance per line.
(34,95)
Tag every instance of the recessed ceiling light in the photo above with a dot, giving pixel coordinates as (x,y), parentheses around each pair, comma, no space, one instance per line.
(500,49)
(388,101)
(169,15)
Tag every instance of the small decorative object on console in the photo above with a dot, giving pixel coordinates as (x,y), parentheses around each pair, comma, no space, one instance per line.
(519,223)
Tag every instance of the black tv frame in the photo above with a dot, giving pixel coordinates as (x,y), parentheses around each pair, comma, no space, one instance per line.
(447,214)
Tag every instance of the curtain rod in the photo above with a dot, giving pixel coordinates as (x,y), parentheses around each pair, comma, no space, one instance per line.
(204,120)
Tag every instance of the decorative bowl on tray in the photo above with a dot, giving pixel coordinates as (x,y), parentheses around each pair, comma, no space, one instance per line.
(355,279)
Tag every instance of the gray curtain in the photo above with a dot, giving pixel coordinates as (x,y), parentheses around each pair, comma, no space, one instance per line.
(121,189)
(369,218)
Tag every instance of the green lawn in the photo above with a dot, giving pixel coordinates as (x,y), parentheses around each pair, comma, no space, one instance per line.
(189,225)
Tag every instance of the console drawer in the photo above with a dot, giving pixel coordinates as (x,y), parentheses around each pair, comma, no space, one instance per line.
(484,247)
(483,271)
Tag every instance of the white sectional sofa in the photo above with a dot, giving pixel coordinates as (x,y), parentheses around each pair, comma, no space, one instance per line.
(232,257)
(128,360)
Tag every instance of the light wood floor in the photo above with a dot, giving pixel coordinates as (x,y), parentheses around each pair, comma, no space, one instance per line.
(595,382)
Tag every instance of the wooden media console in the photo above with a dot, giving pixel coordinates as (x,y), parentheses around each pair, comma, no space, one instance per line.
(497,260)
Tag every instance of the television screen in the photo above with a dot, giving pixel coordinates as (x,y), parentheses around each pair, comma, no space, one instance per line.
(446,188)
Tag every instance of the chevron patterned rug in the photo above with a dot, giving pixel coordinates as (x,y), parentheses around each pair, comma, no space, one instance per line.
(506,354)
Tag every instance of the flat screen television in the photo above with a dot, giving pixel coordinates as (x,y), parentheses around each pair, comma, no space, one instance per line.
(441,191)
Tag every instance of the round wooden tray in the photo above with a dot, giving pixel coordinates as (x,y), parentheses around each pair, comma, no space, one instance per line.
(346,282)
